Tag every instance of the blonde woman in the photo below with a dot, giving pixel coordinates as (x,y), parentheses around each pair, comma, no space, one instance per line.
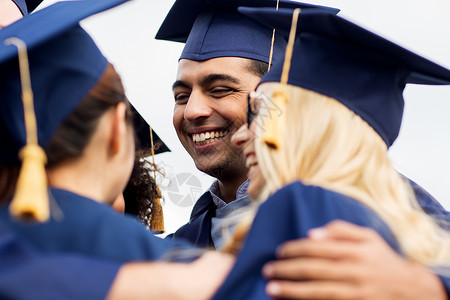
(316,144)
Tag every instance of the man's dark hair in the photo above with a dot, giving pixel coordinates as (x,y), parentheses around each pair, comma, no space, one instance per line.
(257,67)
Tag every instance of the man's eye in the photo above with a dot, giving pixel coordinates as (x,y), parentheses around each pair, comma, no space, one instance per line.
(181,97)
(218,92)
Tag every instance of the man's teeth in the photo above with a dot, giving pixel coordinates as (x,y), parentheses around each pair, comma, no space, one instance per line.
(208,137)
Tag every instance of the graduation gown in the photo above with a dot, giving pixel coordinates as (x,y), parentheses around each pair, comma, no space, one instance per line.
(288,215)
(198,230)
(95,229)
(24,274)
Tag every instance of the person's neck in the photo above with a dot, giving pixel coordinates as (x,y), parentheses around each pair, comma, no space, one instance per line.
(228,188)
(76,178)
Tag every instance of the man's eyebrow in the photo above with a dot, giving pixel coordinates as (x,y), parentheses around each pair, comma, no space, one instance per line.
(208,79)
(218,77)
(178,84)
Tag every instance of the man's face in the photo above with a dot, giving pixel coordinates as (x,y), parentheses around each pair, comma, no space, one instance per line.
(210,105)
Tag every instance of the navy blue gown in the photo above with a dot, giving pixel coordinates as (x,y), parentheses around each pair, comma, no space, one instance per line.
(94,229)
(289,214)
(198,230)
(25,274)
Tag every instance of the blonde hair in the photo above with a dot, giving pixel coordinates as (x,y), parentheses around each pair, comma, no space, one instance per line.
(326,144)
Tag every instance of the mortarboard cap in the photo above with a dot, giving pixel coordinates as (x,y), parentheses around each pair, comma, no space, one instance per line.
(214,28)
(145,139)
(360,69)
(64,64)
(60,63)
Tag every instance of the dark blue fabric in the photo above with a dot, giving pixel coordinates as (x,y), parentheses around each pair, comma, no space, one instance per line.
(144,138)
(32,4)
(94,229)
(223,34)
(179,22)
(64,64)
(431,206)
(198,230)
(27,6)
(446,282)
(360,69)
(22,5)
(25,274)
(214,28)
(287,215)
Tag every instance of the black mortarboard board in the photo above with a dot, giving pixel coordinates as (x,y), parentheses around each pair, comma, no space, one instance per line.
(27,6)
(144,139)
(214,28)
(362,70)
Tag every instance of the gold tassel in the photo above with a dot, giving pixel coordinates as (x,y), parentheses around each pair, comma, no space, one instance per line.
(274,125)
(272,136)
(272,42)
(30,200)
(157,218)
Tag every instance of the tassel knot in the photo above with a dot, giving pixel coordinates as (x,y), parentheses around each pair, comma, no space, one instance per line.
(30,199)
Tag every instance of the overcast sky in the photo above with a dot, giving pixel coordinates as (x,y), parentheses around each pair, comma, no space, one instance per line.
(148,67)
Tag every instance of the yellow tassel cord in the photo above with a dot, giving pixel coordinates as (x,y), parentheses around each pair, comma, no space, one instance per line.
(275,125)
(272,42)
(157,217)
(30,200)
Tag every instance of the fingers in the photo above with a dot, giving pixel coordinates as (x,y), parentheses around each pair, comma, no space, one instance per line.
(312,290)
(341,230)
(220,260)
(335,240)
(311,269)
(329,249)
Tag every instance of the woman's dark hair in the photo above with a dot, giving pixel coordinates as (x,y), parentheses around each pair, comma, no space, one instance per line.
(75,132)
(141,190)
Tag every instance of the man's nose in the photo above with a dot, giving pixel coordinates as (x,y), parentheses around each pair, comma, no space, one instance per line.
(198,107)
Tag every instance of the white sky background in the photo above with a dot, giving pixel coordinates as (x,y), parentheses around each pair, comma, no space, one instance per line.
(148,67)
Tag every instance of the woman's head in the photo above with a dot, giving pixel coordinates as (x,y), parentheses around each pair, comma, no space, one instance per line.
(75,132)
(333,109)
(75,91)
(104,105)
(52,67)
(99,129)
(323,143)
(319,140)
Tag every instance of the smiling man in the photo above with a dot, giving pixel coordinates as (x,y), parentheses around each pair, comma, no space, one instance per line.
(224,58)
(210,103)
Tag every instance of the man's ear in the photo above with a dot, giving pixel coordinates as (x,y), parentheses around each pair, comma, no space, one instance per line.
(119,128)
